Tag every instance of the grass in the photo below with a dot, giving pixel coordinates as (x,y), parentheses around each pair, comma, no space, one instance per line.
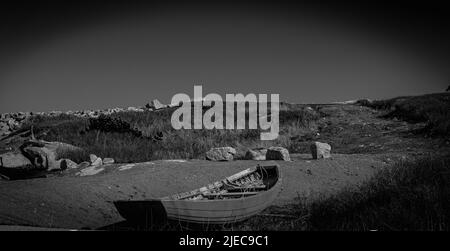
(131,136)
(135,136)
(433,109)
(410,196)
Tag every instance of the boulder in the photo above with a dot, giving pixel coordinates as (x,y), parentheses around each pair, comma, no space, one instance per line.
(92,158)
(43,158)
(107,161)
(155,104)
(44,155)
(14,160)
(277,153)
(320,150)
(221,154)
(70,164)
(97,162)
(256,154)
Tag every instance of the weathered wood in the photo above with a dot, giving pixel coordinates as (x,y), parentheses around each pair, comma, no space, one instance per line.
(219,210)
(243,194)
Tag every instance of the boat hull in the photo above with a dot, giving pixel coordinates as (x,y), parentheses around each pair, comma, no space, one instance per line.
(219,211)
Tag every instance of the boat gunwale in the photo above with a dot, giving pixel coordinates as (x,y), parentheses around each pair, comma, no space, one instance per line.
(261,193)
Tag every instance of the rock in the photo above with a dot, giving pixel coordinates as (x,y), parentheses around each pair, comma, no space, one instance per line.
(13,125)
(4,129)
(14,160)
(83,164)
(97,162)
(107,161)
(42,157)
(92,158)
(155,104)
(256,154)
(278,153)
(4,126)
(70,164)
(126,167)
(320,150)
(92,170)
(221,154)
(133,109)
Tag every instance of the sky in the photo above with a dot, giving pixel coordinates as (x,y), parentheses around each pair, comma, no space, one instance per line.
(80,55)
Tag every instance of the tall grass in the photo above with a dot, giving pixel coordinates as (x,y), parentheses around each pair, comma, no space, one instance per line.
(130,136)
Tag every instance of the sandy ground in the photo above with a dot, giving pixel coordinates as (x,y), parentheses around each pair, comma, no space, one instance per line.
(75,202)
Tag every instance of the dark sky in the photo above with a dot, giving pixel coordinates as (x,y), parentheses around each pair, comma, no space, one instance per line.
(93,55)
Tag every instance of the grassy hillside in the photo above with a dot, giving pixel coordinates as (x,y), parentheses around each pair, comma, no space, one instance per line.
(141,136)
(433,109)
(135,136)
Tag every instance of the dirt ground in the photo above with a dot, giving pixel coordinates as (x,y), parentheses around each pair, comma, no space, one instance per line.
(84,202)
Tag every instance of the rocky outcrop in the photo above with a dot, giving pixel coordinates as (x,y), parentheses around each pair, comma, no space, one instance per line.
(35,158)
(256,154)
(277,153)
(320,150)
(14,160)
(44,155)
(221,154)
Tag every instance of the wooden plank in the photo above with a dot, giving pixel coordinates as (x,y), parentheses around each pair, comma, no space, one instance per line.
(221,211)
(256,188)
(243,194)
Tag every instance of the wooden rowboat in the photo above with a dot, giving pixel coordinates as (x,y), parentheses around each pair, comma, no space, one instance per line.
(232,199)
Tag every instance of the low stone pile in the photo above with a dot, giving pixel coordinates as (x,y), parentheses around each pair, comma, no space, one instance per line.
(319,150)
(229,153)
(10,122)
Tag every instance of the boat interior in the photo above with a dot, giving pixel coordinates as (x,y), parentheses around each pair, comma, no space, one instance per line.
(246,183)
